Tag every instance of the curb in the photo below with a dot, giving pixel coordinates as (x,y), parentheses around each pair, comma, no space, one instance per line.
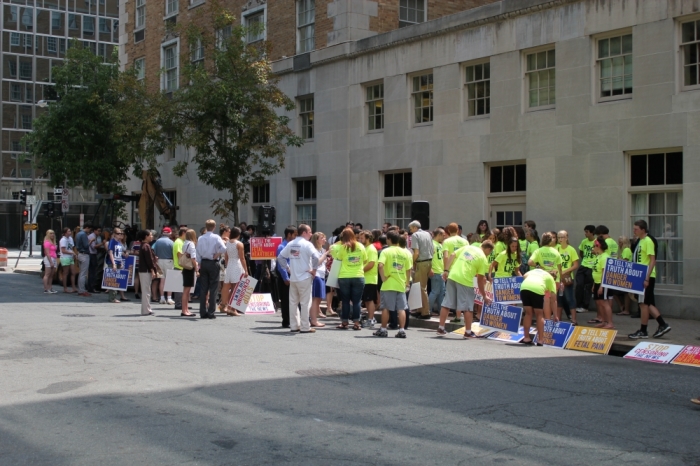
(28,272)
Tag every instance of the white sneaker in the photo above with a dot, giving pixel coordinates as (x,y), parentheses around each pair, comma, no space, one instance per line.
(162,300)
(580,310)
(170,301)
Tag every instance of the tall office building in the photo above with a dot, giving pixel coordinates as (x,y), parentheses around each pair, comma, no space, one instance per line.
(35,37)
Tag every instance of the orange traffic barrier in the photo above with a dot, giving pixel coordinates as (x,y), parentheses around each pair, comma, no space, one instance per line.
(3,257)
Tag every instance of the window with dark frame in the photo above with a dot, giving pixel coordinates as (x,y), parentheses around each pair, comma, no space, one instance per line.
(478,84)
(508,178)
(261,193)
(690,53)
(375,107)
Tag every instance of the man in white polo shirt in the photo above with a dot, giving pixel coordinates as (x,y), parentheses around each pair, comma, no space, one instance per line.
(303,260)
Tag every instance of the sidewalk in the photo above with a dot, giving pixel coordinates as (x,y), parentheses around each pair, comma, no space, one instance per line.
(684,332)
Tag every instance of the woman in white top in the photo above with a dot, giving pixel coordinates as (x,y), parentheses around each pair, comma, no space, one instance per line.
(68,259)
(236,268)
(318,289)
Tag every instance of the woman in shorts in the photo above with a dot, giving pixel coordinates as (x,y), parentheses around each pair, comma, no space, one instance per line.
(50,261)
(603,298)
(318,288)
(538,292)
(68,259)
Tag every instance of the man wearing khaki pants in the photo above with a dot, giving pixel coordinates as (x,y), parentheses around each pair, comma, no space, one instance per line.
(303,261)
(422,246)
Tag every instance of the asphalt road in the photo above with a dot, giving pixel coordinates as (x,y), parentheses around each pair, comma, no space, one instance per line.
(117,388)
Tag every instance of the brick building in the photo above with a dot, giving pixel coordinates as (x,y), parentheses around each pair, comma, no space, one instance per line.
(569,112)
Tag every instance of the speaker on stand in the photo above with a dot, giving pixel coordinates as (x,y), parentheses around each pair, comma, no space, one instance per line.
(266,219)
(420,210)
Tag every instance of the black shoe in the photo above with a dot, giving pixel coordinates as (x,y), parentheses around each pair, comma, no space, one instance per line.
(663,329)
(421,317)
(211,316)
(137,296)
(285,326)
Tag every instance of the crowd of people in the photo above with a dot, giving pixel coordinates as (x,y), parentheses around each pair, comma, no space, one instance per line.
(375,272)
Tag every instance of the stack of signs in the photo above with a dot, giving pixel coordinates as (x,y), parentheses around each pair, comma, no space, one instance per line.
(501,317)
(488,288)
(511,337)
(241,294)
(591,340)
(556,334)
(507,290)
(654,352)
(690,356)
(624,276)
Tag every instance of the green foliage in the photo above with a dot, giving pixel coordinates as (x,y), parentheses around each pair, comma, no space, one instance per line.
(102,124)
(227,112)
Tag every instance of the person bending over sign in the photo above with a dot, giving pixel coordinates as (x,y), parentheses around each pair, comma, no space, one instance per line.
(539,292)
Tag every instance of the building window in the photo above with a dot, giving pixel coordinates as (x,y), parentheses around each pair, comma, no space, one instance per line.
(28,40)
(140,67)
(14,39)
(12,67)
(197,51)
(29,94)
(657,197)
(478,89)
(306,115)
(541,78)
(13,14)
(615,66)
(28,18)
(171,68)
(51,44)
(15,92)
(398,189)
(411,12)
(26,122)
(104,25)
(423,98)
(223,35)
(507,178)
(375,107)
(56,20)
(260,197)
(17,146)
(171,7)
(255,23)
(88,25)
(72,21)
(25,69)
(306,16)
(140,14)
(690,48)
(306,202)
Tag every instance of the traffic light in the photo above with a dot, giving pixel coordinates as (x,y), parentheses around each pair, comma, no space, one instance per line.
(49,211)
(25,216)
(23,196)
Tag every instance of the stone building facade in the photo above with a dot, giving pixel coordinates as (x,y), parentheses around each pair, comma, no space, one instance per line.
(567,112)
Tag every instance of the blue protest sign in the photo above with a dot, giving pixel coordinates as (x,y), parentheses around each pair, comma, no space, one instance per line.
(624,276)
(556,334)
(130,264)
(507,290)
(115,279)
(510,337)
(501,317)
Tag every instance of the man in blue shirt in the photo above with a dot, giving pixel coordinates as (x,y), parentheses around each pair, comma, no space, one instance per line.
(283,274)
(82,244)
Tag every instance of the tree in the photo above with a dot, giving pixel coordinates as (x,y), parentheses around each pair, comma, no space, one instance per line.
(228,112)
(103,125)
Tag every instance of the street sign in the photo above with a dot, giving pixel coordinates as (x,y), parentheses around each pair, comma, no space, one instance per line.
(64,200)
(58,191)
(31,200)
(30,226)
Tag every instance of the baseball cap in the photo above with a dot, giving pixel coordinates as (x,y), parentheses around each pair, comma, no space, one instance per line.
(167,230)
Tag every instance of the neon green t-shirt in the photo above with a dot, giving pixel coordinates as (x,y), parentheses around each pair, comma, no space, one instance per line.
(568,256)
(334,249)
(598,267)
(645,248)
(371,276)
(352,261)
(538,281)
(626,254)
(396,262)
(469,262)
(437,264)
(451,244)
(586,248)
(476,244)
(506,265)
(499,247)
(531,248)
(547,258)
(612,247)
(177,248)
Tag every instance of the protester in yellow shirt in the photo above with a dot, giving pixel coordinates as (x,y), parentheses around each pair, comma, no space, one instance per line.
(625,253)
(603,302)
(369,293)
(395,270)
(351,278)
(538,293)
(507,263)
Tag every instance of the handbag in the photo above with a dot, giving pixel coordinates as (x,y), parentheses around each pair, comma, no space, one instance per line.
(566,278)
(185,261)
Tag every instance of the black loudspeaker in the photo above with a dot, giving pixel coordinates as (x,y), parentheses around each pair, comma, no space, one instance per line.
(266,219)
(420,210)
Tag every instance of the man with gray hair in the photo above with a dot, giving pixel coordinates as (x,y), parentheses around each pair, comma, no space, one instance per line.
(423,250)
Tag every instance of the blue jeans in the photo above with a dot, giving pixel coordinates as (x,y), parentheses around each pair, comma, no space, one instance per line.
(568,301)
(437,292)
(351,290)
